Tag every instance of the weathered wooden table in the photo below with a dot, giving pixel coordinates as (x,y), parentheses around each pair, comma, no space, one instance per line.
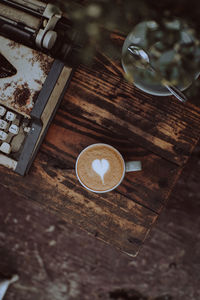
(100,106)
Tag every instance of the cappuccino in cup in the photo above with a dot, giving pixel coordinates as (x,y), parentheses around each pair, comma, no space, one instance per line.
(101,168)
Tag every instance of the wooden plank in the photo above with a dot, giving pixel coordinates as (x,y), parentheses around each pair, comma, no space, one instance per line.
(46,251)
(160,124)
(99,106)
(68,135)
(111,217)
(121,218)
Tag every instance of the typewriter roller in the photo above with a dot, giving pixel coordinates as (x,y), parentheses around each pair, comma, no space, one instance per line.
(39,25)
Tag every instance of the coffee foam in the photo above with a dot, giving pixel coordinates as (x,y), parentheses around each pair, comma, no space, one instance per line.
(100,167)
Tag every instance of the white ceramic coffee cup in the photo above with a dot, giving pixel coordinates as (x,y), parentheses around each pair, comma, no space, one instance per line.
(130,166)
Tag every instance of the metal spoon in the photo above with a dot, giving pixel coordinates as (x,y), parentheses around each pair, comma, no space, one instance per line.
(140,53)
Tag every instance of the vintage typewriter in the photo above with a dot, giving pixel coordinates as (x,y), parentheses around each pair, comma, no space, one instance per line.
(37,45)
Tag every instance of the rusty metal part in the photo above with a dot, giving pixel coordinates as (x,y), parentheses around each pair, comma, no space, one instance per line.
(20,91)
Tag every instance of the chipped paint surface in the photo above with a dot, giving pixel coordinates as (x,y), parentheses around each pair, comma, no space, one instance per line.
(20,91)
(7,162)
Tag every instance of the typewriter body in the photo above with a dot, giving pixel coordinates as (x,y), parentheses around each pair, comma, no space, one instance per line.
(36,46)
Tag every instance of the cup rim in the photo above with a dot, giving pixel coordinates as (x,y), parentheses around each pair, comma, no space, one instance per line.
(96,191)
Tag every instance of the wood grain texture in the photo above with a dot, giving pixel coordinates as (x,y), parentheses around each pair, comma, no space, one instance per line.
(111,217)
(160,124)
(121,218)
(68,135)
(55,260)
(100,106)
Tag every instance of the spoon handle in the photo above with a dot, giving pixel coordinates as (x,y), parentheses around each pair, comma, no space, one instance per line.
(176,92)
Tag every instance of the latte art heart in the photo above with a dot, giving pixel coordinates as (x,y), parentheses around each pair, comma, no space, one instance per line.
(100,167)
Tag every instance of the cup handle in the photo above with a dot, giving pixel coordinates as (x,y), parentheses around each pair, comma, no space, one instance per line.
(131,166)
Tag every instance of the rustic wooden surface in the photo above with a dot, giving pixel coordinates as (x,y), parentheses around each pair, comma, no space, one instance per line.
(56,260)
(100,106)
